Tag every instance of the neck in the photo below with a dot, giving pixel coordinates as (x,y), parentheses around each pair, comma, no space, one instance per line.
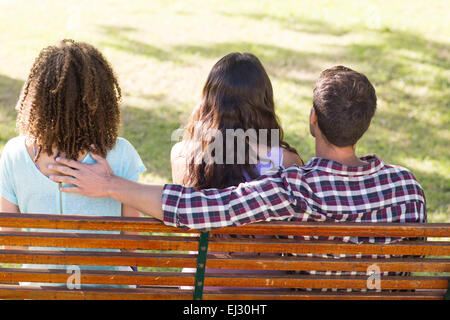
(32,148)
(343,155)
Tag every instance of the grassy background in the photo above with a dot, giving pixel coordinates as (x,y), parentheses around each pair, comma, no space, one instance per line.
(162,52)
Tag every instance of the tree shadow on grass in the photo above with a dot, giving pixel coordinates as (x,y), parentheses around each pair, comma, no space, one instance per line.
(121,38)
(275,58)
(9,94)
(294,23)
(397,53)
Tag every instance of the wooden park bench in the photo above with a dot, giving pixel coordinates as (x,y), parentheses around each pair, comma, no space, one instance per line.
(163,251)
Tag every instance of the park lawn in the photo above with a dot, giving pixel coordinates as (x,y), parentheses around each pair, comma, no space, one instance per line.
(162,52)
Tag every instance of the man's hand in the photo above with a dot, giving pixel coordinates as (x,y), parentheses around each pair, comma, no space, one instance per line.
(92,180)
(98,180)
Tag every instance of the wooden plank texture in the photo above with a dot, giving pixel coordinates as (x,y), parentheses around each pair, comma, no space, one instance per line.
(286,295)
(21,292)
(79,222)
(175,248)
(13,275)
(235,261)
(45,293)
(112,241)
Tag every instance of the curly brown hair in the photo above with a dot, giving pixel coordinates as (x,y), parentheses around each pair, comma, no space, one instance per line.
(70,101)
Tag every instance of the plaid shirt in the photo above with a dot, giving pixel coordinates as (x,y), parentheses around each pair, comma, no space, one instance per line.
(322,190)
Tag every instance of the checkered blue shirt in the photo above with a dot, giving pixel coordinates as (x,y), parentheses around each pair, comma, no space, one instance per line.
(322,190)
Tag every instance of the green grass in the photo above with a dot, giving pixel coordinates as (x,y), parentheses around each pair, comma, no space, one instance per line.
(162,52)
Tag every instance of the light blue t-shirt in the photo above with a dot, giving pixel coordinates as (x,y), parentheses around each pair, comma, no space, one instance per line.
(23,184)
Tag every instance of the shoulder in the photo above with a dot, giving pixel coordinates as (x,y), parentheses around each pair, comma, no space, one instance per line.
(14,148)
(123,149)
(403,177)
(399,171)
(178,162)
(123,144)
(291,158)
(125,160)
(15,143)
(177,150)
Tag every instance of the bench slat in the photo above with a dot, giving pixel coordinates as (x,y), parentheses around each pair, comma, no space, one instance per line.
(328,247)
(85,222)
(21,292)
(80,222)
(406,264)
(113,241)
(13,276)
(341,229)
(95,241)
(285,295)
(99,258)
(319,282)
(46,293)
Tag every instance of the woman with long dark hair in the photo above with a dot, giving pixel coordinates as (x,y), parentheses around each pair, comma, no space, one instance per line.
(237,95)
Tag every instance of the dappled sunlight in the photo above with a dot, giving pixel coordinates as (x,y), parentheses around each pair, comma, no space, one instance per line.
(429,166)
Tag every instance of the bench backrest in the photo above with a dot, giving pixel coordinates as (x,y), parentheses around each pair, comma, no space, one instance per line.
(276,260)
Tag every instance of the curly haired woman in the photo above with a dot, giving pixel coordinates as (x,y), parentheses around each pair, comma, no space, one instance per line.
(69,106)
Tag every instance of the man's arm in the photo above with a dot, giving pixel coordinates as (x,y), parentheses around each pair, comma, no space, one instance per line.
(268,198)
(143,197)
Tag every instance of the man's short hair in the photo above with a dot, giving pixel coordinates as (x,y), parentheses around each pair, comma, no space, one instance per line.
(345,102)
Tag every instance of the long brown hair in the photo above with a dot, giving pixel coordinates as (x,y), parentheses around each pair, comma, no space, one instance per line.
(70,101)
(237,95)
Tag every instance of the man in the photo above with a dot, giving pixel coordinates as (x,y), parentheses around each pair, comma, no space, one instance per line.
(335,185)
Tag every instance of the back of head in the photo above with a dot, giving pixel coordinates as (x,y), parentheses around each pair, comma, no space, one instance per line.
(70,101)
(345,102)
(237,94)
